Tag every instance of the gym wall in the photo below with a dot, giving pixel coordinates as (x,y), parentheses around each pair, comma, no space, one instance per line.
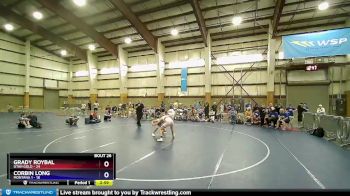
(46,71)
(81,84)
(49,71)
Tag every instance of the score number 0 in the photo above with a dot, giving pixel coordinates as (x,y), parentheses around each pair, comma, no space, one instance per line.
(106,174)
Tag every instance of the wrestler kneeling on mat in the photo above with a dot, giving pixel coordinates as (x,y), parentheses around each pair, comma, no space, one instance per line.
(162,123)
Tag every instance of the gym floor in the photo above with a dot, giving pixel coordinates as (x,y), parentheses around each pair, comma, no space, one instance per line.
(202,156)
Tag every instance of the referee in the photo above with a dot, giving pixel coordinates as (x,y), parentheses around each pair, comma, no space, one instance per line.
(139,112)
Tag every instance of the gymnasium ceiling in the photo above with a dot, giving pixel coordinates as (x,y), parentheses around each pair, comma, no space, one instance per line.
(106,23)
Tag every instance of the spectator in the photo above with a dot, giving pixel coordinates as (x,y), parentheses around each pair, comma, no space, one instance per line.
(272,117)
(300,109)
(83,107)
(114,109)
(194,115)
(176,104)
(290,107)
(123,110)
(206,110)
(89,106)
(256,107)
(65,104)
(262,114)
(270,106)
(248,115)
(233,114)
(256,117)
(222,108)
(277,108)
(96,105)
(290,110)
(162,107)
(94,118)
(157,113)
(283,119)
(72,120)
(321,110)
(9,108)
(214,107)
(108,115)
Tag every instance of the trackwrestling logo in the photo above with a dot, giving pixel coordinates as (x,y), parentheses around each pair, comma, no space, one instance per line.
(321,43)
(31,191)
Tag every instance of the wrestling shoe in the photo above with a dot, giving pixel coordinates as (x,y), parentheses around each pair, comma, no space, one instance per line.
(153,135)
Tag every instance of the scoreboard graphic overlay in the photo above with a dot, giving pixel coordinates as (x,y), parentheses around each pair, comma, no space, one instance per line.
(61,168)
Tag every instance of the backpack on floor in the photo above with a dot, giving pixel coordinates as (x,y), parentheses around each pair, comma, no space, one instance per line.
(21,126)
(319,132)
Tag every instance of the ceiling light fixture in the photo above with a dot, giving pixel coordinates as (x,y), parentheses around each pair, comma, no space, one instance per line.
(323,6)
(237,20)
(9,27)
(174,32)
(81,73)
(92,47)
(127,40)
(80,3)
(64,52)
(143,68)
(37,15)
(110,70)
(189,63)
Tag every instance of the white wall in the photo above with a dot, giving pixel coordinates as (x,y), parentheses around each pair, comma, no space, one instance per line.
(46,70)
(195,77)
(52,71)
(108,85)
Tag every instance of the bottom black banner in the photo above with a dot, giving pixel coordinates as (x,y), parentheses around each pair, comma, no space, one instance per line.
(117,192)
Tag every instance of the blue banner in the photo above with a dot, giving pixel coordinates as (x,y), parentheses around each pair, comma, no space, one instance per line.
(184,79)
(325,43)
(29,191)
